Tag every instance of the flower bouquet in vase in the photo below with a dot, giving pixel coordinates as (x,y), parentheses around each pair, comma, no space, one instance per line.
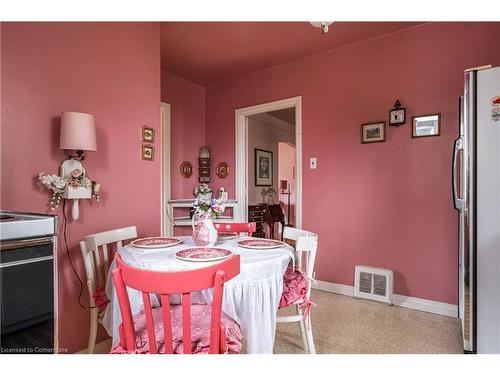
(203,192)
(204,232)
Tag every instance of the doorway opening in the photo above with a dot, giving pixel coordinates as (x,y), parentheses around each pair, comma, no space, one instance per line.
(268,160)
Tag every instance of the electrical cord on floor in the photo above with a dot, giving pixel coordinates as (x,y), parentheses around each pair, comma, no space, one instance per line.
(65,222)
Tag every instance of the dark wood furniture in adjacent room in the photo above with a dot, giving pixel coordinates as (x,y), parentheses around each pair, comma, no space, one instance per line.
(273,213)
(256,214)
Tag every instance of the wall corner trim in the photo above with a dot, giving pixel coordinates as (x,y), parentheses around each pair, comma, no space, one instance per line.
(427,305)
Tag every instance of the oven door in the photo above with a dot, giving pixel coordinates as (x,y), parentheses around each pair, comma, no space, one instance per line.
(27,299)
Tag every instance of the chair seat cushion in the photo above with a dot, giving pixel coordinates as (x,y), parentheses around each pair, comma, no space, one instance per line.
(101,299)
(200,331)
(294,287)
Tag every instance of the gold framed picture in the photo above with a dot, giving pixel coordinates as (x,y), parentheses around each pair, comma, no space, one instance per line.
(147,152)
(373,132)
(148,134)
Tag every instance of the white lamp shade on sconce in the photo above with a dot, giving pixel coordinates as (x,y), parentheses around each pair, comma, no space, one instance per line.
(78,132)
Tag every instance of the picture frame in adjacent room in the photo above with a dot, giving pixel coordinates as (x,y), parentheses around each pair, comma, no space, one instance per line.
(263,168)
(373,132)
(426,126)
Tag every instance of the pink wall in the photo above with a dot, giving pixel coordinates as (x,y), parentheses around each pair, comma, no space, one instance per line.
(385,204)
(187,106)
(111,70)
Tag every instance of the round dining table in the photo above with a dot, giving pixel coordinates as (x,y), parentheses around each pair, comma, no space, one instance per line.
(251,298)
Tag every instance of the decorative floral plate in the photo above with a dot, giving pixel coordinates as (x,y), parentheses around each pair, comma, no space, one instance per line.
(260,244)
(203,254)
(155,242)
(224,236)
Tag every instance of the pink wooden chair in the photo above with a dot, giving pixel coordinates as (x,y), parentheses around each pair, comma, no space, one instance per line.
(247,228)
(143,333)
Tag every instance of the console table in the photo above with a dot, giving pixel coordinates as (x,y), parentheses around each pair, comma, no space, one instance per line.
(184,219)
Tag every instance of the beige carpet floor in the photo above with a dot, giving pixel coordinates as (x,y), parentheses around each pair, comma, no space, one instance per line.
(352,326)
(346,325)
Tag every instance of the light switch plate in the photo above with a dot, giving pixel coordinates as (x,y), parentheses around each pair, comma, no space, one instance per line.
(313,163)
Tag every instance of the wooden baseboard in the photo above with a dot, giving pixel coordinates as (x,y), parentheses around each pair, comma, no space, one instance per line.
(427,305)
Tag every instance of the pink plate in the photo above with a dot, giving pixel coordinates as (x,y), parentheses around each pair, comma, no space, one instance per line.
(203,254)
(260,244)
(155,242)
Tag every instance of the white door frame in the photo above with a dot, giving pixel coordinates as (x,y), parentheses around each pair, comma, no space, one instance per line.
(241,149)
(165,148)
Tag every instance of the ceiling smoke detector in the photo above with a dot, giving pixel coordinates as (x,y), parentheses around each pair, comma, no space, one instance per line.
(322,25)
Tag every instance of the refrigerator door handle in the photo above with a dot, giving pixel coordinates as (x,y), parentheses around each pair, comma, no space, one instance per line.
(458,202)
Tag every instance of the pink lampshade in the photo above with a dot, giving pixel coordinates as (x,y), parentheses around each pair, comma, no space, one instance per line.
(77,132)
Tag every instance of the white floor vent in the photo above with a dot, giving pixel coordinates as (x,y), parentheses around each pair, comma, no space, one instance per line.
(373,283)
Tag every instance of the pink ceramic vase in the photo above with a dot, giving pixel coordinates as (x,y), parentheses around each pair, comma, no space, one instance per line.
(204,232)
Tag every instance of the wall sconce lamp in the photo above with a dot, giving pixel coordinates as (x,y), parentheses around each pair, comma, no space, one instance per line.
(77,133)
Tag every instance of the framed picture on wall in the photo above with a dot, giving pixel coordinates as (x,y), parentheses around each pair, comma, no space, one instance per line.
(263,168)
(426,126)
(148,134)
(372,133)
(147,152)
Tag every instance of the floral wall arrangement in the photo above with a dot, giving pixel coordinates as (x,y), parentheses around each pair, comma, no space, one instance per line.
(59,185)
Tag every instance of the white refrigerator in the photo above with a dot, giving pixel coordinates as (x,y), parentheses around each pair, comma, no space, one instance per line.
(476,192)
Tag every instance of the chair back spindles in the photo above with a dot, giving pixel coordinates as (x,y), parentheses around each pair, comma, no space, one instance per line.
(127,339)
(306,244)
(306,248)
(167,325)
(97,255)
(150,324)
(186,322)
(220,277)
(105,256)
(164,284)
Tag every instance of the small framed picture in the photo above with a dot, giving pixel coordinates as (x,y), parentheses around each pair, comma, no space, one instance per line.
(373,132)
(147,152)
(426,126)
(186,169)
(263,168)
(148,135)
(397,115)
(222,169)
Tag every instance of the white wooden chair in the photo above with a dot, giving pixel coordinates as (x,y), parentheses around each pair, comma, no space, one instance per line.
(97,259)
(306,244)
